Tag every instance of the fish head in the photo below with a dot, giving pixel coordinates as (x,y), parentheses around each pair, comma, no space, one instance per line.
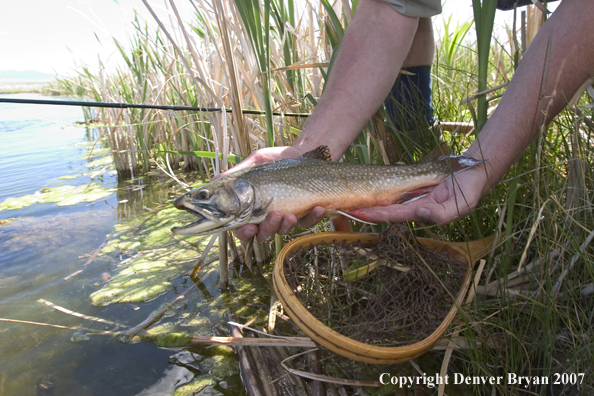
(221,205)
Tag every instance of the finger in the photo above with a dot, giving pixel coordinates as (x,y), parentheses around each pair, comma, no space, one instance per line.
(262,156)
(382,214)
(435,213)
(314,217)
(287,225)
(448,203)
(246,232)
(248,162)
(234,169)
(270,226)
(441,214)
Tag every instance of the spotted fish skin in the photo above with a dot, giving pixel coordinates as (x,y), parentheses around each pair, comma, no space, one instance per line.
(298,185)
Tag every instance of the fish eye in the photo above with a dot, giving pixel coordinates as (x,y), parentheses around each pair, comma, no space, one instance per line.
(203,194)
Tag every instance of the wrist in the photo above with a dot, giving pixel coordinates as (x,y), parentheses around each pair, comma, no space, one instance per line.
(483,175)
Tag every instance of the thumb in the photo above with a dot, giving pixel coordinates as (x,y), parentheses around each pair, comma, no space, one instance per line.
(436,213)
(423,213)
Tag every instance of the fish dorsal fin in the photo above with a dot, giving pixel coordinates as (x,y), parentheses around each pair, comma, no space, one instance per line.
(319,153)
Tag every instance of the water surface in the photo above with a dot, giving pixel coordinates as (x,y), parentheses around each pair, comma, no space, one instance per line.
(46,242)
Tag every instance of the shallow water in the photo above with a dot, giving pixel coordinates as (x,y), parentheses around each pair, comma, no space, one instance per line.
(44,243)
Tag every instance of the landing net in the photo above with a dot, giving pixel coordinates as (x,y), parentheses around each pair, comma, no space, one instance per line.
(391,294)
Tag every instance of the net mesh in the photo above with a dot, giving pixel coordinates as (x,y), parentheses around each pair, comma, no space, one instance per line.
(393,293)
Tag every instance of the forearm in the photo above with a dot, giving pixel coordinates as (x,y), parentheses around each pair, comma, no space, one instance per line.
(556,64)
(370,56)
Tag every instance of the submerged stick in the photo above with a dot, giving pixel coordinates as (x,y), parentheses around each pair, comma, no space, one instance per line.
(54,326)
(95,253)
(223,261)
(200,262)
(78,315)
(155,316)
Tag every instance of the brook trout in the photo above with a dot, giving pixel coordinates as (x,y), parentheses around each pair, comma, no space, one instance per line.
(297,185)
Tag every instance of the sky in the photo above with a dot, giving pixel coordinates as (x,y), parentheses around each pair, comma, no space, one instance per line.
(53,36)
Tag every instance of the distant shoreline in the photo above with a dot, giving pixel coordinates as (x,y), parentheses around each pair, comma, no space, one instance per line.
(23,87)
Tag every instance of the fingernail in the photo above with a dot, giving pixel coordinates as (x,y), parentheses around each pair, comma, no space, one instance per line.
(249,233)
(285,228)
(275,220)
(423,213)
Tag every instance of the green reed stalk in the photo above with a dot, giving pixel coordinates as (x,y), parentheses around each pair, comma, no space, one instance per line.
(335,30)
(448,50)
(249,10)
(484,17)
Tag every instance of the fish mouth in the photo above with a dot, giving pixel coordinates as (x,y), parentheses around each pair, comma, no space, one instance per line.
(202,227)
(209,220)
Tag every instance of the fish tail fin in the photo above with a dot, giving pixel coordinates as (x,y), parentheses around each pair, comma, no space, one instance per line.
(459,163)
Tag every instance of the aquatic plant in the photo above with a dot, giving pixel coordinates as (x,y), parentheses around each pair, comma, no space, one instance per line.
(147,273)
(62,196)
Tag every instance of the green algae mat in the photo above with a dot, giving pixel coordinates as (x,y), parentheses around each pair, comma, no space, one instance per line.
(67,195)
(155,257)
(153,262)
(62,196)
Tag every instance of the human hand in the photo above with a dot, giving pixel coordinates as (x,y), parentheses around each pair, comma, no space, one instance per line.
(279,223)
(263,156)
(454,198)
(276,222)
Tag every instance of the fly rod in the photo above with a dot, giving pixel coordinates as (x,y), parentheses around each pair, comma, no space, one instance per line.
(139,106)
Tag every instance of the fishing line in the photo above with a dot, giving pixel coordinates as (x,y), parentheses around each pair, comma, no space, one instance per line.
(141,106)
(37,117)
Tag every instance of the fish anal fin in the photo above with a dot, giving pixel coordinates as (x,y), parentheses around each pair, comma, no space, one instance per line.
(319,153)
(349,216)
(341,223)
(410,196)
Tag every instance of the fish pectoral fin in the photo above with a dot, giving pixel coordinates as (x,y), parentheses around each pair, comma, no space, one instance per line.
(353,217)
(459,163)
